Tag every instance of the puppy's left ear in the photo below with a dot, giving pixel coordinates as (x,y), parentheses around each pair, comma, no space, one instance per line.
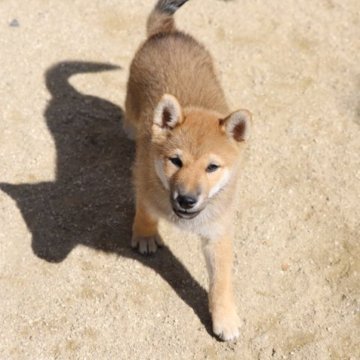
(237,125)
(167,116)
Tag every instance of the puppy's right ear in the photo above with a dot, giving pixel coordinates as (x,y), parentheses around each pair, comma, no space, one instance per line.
(237,125)
(167,116)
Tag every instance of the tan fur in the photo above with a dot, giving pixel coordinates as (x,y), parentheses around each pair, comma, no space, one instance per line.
(158,22)
(193,124)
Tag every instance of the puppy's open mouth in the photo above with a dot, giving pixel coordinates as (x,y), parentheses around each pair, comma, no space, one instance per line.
(183,214)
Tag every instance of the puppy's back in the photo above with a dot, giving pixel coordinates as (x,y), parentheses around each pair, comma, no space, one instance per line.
(175,63)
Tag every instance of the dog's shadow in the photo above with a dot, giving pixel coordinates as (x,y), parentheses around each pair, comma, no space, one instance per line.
(91,200)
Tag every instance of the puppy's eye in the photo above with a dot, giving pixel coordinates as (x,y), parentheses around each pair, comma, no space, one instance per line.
(176,161)
(211,168)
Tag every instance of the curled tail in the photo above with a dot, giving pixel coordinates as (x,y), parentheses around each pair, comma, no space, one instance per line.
(161,18)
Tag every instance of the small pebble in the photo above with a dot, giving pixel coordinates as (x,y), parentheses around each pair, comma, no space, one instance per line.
(14,23)
(284,267)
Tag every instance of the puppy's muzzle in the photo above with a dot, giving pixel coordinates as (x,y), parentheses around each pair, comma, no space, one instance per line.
(185,206)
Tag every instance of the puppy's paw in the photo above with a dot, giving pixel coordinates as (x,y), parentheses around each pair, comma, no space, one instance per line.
(147,244)
(226,325)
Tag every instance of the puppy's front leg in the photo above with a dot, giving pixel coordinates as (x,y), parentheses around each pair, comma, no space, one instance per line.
(145,234)
(219,258)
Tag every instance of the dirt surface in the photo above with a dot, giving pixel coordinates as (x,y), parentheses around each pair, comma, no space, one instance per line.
(70,286)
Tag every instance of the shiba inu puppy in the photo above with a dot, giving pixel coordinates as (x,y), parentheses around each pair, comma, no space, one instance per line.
(188,151)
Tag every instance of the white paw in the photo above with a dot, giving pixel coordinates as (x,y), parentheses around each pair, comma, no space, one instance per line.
(226,326)
(147,244)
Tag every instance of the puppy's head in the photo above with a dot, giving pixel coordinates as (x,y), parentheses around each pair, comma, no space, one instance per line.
(196,152)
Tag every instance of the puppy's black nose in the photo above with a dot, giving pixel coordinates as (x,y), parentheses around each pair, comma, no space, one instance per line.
(186,202)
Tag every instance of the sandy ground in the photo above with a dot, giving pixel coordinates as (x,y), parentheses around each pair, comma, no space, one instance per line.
(70,286)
